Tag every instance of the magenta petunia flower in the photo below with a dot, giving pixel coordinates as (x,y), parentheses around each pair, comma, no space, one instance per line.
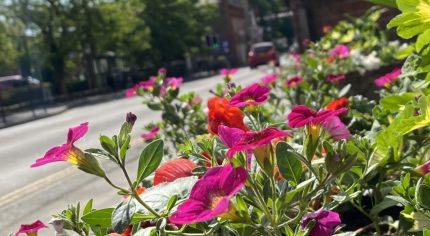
(269,79)
(326,222)
(340,51)
(210,196)
(151,134)
(66,152)
(252,95)
(337,130)
(334,78)
(293,81)
(387,79)
(31,229)
(174,82)
(424,168)
(228,72)
(301,115)
(238,140)
(146,85)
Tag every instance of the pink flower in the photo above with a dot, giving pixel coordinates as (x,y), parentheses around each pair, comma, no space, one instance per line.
(294,81)
(269,79)
(387,79)
(174,83)
(297,59)
(196,100)
(326,222)
(162,71)
(151,134)
(252,95)
(301,115)
(146,85)
(66,152)
(132,91)
(337,130)
(423,169)
(228,72)
(31,229)
(340,51)
(149,84)
(210,196)
(238,140)
(334,78)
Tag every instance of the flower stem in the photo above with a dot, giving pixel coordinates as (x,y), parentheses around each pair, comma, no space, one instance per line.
(114,185)
(261,202)
(135,194)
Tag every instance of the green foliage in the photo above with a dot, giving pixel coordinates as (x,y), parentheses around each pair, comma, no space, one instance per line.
(150,159)
(289,166)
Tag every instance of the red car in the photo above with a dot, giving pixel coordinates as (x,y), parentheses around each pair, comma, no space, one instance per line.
(262,53)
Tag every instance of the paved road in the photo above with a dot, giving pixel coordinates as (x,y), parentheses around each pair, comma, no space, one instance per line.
(27,194)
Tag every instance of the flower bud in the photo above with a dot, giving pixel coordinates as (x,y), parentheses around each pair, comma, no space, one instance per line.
(423,169)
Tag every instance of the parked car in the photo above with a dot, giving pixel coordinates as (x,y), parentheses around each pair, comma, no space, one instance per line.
(262,53)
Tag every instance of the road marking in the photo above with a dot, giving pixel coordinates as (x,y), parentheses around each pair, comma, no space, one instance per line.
(44,182)
(37,185)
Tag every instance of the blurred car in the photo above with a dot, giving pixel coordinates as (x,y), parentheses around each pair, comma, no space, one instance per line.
(262,53)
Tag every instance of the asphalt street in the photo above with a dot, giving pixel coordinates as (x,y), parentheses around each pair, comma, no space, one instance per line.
(28,194)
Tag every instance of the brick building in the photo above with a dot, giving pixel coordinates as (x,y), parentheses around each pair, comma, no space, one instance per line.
(310,16)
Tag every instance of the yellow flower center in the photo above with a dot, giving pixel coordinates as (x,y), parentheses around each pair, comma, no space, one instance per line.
(314,132)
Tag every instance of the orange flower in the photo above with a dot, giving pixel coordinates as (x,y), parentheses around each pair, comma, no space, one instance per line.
(338,104)
(326,29)
(220,113)
(127,232)
(330,59)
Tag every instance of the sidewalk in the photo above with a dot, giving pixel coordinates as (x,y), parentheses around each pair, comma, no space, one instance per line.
(22,117)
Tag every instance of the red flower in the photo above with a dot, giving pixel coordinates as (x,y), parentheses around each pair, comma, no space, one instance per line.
(338,104)
(221,113)
(127,232)
(173,170)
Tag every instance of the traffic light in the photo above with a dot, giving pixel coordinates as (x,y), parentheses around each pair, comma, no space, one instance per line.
(213,41)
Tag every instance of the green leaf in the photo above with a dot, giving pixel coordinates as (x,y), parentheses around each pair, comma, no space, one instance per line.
(122,215)
(344,90)
(420,220)
(108,144)
(424,196)
(423,40)
(102,217)
(88,207)
(123,133)
(171,203)
(394,103)
(150,159)
(124,147)
(289,166)
(158,196)
(386,203)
